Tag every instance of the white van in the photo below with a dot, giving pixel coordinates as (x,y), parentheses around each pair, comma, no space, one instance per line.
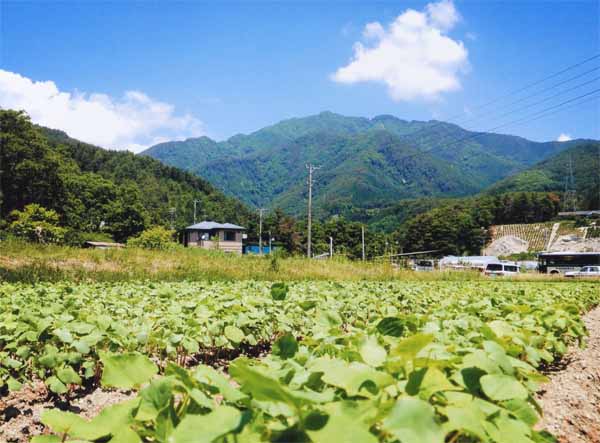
(500,268)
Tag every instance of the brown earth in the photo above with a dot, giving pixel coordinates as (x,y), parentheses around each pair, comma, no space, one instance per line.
(571,400)
(21,411)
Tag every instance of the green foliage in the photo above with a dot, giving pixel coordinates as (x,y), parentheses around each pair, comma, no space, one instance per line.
(366,163)
(463,368)
(57,331)
(37,224)
(392,326)
(156,237)
(285,346)
(549,175)
(126,371)
(279,291)
(460,226)
(114,193)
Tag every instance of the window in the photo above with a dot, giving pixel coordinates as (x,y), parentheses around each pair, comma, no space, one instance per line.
(229,236)
(494,267)
(510,268)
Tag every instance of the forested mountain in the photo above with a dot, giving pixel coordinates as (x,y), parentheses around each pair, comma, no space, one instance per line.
(365,163)
(94,189)
(551,174)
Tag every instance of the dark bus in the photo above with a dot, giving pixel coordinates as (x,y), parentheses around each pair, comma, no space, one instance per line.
(561,262)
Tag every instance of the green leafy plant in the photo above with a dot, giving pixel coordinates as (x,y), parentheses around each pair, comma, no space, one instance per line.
(156,237)
(37,224)
(409,361)
(279,291)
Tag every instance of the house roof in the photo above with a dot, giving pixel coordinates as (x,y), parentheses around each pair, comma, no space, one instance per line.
(208,225)
(105,244)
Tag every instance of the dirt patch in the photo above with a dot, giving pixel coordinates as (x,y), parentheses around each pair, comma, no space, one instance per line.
(574,243)
(21,411)
(509,244)
(571,400)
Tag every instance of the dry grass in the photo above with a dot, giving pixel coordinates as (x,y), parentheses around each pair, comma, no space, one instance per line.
(33,263)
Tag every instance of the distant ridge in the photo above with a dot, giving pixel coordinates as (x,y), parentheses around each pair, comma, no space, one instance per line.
(365,162)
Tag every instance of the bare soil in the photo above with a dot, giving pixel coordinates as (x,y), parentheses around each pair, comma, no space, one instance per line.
(571,400)
(21,411)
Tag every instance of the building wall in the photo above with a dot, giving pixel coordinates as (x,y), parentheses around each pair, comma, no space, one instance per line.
(226,246)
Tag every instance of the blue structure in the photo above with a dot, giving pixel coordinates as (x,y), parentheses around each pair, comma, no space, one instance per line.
(253,249)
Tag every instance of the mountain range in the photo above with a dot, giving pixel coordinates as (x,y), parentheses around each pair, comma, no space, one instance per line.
(364,162)
(551,174)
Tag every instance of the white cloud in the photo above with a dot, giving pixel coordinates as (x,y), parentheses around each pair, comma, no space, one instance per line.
(414,57)
(133,121)
(443,15)
(564,137)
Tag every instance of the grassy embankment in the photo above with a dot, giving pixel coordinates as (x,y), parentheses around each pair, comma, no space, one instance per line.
(31,263)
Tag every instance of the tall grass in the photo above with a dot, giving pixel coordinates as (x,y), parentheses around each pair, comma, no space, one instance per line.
(26,262)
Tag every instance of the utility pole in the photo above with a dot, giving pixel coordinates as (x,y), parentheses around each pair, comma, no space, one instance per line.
(172,217)
(362,229)
(311,169)
(195,201)
(330,247)
(270,245)
(260,215)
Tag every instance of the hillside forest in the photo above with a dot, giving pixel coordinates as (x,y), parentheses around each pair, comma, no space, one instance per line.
(93,193)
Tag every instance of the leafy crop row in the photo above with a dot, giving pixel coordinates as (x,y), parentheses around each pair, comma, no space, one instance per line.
(56,332)
(408,362)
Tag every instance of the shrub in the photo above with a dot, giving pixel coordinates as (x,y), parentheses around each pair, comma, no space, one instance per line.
(37,224)
(156,237)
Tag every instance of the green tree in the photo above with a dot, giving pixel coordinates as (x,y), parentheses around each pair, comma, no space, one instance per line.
(37,224)
(126,216)
(156,237)
(30,171)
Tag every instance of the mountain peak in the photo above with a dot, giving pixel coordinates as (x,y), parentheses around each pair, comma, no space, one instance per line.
(365,160)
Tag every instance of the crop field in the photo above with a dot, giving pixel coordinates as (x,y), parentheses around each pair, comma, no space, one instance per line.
(414,362)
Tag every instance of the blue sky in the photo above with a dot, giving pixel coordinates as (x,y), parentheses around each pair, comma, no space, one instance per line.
(221,68)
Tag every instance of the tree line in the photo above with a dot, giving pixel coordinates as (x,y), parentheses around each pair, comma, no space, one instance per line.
(48,179)
(99,192)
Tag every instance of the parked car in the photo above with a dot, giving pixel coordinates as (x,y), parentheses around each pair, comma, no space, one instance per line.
(424,265)
(501,269)
(586,271)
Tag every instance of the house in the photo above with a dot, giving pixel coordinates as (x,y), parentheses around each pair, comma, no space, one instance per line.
(211,235)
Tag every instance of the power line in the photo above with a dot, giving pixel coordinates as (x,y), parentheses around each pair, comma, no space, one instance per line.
(511,93)
(519,121)
(551,97)
(433,135)
(547,109)
(527,119)
(534,95)
(564,108)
